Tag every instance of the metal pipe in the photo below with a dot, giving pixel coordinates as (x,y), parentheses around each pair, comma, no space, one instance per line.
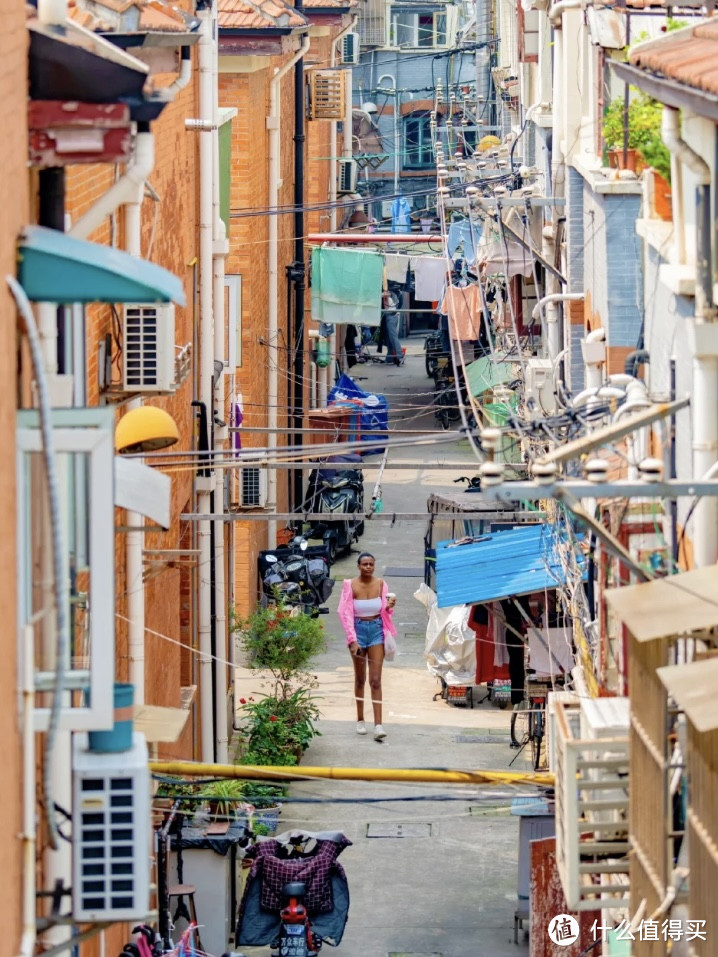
(555,13)
(273,121)
(550,327)
(283,773)
(219,252)
(378,238)
(123,190)
(705,349)
(206,371)
(27,941)
(134,543)
(298,275)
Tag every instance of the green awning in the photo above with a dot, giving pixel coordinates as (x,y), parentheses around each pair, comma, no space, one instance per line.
(54,267)
(485,373)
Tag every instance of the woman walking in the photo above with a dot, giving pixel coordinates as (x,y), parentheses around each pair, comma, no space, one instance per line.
(365,610)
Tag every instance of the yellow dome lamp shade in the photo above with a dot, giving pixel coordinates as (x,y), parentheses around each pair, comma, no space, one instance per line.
(145,429)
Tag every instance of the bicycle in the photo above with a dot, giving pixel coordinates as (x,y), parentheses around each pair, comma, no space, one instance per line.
(528,725)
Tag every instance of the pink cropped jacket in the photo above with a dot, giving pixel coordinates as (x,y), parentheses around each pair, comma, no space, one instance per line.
(346,611)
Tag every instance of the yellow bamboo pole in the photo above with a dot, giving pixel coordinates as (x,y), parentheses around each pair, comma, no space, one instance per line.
(409,775)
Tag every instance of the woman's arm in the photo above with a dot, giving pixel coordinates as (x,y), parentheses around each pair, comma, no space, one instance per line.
(345,611)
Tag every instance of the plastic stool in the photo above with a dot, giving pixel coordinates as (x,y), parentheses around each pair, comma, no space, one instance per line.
(190,914)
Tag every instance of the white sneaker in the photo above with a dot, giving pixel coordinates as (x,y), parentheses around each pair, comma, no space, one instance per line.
(361,727)
(379,733)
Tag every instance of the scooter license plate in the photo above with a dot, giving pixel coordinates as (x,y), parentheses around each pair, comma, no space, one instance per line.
(293,941)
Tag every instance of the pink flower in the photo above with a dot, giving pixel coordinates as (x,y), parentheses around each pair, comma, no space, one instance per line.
(272,717)
(242,700)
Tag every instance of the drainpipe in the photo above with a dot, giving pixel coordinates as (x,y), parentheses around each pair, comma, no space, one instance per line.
(126,188)
(27,942)
(219,253)
(397,142)
(704,333)
(546,309)
(273,121)
(204,483)
(168,93)
(133,192)
(594,357)
(298,271)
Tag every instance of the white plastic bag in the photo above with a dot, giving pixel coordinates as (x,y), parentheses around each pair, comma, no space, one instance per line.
(389,647)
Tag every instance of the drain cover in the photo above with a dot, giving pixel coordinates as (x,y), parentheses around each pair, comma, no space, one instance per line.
(398,830)
(403,571)
(478,739)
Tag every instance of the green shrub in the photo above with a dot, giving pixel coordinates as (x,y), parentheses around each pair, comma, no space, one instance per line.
(278,730)
(282,642)
(643,127)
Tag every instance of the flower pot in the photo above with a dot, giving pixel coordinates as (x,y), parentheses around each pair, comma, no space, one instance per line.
(662,200)
(268,816)
(633,160)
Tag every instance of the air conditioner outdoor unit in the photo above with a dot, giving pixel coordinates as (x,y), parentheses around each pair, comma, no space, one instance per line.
(148,347)
(253,487)
(350,48)
(110,833)
(347,176)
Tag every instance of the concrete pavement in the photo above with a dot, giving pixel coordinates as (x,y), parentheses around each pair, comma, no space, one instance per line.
(433,868)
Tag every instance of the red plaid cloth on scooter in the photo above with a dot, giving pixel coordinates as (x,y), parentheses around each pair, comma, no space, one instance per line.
(276,868)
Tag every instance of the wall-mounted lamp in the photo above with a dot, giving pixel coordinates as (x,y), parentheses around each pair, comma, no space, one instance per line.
(145,429)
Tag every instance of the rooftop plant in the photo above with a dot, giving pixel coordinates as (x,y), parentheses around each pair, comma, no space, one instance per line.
(642,124)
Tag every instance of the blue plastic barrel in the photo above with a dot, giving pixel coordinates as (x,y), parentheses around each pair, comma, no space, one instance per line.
(120,737)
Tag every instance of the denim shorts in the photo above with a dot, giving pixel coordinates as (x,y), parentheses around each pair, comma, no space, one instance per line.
(369,632)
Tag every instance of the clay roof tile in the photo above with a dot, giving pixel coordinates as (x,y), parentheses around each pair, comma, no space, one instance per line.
(690,57)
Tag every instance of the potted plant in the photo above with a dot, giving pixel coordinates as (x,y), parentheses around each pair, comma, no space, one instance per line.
(263,806)
(223,797)
(640,126)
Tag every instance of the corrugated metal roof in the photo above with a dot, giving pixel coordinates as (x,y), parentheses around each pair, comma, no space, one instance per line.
(517,561)
(689,56)
(257,14)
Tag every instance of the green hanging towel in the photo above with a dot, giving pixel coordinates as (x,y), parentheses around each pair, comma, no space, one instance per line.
(346,285)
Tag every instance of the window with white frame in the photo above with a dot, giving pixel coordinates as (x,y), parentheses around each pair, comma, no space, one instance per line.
(418,29)
(417,142)
(84,460)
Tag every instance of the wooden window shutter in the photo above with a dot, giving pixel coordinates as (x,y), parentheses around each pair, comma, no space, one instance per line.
(326,94)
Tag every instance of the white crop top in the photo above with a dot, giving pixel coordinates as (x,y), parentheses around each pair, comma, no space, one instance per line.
(367,607)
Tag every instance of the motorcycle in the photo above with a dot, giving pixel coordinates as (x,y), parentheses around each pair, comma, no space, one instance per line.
(297,578)
(338,493)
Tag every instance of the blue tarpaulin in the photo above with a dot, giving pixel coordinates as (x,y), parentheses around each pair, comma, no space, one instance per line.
(517,561)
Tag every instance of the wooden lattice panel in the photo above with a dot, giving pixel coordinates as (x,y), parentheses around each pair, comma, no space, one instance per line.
(327,96)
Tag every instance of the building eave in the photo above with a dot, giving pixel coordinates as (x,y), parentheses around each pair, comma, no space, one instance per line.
(668,91)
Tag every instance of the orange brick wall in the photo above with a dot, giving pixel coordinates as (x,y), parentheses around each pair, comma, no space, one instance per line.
(248,257)
(249,93)
(170,227)
(15,214)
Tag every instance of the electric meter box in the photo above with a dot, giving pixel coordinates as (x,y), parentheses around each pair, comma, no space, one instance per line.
(110,832)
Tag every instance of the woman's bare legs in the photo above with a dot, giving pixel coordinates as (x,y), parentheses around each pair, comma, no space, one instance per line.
(359,682)
(376,659)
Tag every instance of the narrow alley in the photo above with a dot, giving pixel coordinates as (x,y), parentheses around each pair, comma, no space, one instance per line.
(433,869)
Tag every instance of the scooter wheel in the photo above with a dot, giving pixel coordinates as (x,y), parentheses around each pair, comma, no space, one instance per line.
(332,546)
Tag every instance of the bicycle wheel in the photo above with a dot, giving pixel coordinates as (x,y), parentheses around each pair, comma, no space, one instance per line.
(519,727)
(536,732)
